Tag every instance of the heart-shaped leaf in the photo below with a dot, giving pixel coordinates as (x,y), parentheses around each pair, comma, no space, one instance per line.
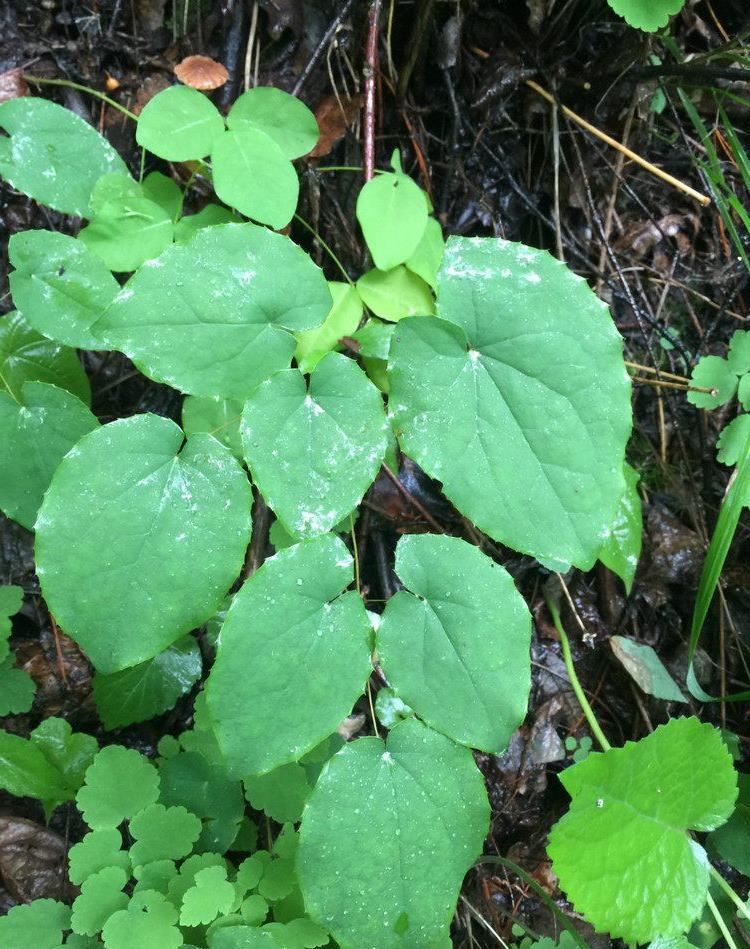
(179,124)
(284,118)
(159,528)
(455,647)
(293,657)
(313,454)
(411,815)
(392,212)
(622,851)
(517,399)
(215,316)
(648,15)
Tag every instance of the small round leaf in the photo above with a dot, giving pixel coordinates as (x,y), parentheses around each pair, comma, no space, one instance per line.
(392,212)
(179,124)
(119,783)
(284,118)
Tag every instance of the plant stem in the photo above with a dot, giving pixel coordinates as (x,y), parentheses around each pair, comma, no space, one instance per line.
(570,668)
(40,81)
(720,922)
(741,907)
(325,247)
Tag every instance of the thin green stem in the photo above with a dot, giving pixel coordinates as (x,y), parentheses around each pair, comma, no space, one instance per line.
(339,168)
(720,922)
(737,900)
(40,81)
(325,247)
(570,668)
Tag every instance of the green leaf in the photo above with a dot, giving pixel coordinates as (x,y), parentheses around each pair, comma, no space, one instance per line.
(17,689)
(374,339)
(251,174)
(11,601)
(60,286)
(390,709)
(284,118)
(392,212)
(150,688)
(127,228)
(622,548)
(180,884)
(739,352)
(54,156)
(732,840)
(643,664)
(37,925)
(712,372)
(217,417)
(27,356)
(98,850)
(165,192)
(313,454)
(254,909)
(211,896)
(209,216)
(378,812)
(38,432)
(119,784)
(454,644)
(243,937)
(281,793)
(648,15)
(517,399)
(147,923)
(733,439)
(642,876)
(288,620)
(68,751)
(394,294)
(743,391)
(101,896)
(26,771)
(215,316)
(426,260)
(156,875)
(159,527)
(179,124)
(342,320)
(162,833)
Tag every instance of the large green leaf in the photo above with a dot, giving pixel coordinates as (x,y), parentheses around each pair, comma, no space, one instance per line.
(37,925)
(648,15)
(622,852)
(517,399)
(60,286)
(454,645)
(215,316)
(282,117)
(54,156)
(622,546)
(387,837)
(179,124)
(313,454)
(159,529)
(36,433)
(27,356)
(392,212)
(293,657)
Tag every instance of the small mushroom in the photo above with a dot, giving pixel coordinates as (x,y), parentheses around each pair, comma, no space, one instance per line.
(201,72)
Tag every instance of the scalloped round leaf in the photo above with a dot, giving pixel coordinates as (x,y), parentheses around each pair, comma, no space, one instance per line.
(54,156)
(242,937)
(313,453)
(27,356)
(712,372)
(342,320)
(281,793)
(643,876)
(37,433)
(517,399)
(743,391)
(159,525)
(454,644)
(101,896)
(647,15)
(395,294)
(251,174)
(392,212)
(150,688)
(17,689)
(60,286)
(378,812)
(215,316)
(217,417)
(621,549)
(281,116)
(98,850)
(147,923)
(179,124)
(733,439)
(156,875)
(37,925)
(291,625)
(163,833)
(210,896)
(119,783)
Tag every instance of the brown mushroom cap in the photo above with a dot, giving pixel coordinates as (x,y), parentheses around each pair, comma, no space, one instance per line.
(201,72)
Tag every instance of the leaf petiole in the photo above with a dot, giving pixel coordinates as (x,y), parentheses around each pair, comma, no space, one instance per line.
(720,922)
(741,907)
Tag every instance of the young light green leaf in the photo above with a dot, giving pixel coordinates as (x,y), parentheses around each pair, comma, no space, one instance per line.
(454,644)
(251,173)
(426,260)
(217,417)
(68,751)
(165,192)
(27,356)
(180,884)
(147,923)
(378,813)
(156,875)
(648,15)
(179,124)
(643,664)
(96,851)
(158,526)
(60,286)
(37,433)
(101,896)
(254,909)
(37,925)
(374,339)
(313,453)
(284,118)
(211,895)
(733,439)
(119,783)
(732,840)
(209,216)
(392,212)
(642,876)
(517,399)
(394,294)
(281,793)
(150,688)
(289,620)
(342,320)
(162,833)
(743,391)
(215,317)
(54,156)
(622,547)
(712,372)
